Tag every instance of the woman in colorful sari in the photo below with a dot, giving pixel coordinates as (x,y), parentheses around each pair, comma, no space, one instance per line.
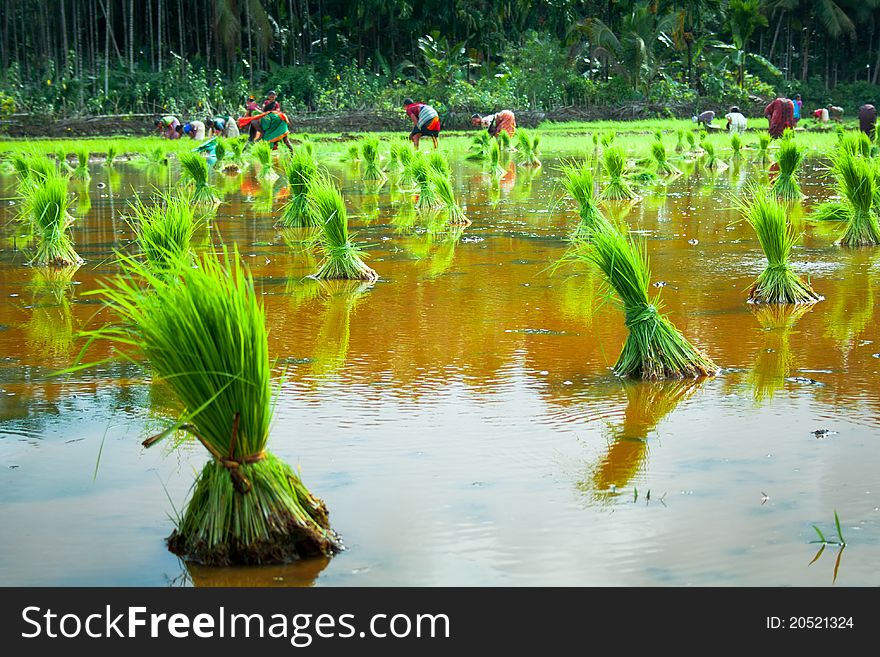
(425,120)
(269,126)
(780,113)
(167,126)
(494,123)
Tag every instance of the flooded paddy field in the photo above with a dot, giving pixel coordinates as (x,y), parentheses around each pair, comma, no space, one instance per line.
(459,416)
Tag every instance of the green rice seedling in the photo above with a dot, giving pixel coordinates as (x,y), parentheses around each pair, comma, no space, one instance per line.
(832,211)
(787,134)
(195,169)
(33,169)
(789,158)
(308,146)
(157,155)
(300,170)
(679,143)
(527,146)
(479,148)
(262,155)
(658,135)
(342,259)
(692,141)
(420,171)
(495,168)
(45,205)
(353,154)
(578,180)
(446,196)
(661,162)
(220,150)
(709,159)
(654,348)
(204,335)
(236,146)
(736,145)
(438,162)
(504,140)
(855,142)
(112,153)
(777,283)
(608,138)
(595,139)
(61,160)
(370,154)
(763,145)
(704,135)
(81,171)
(857,181)
(164,230)
(614,163)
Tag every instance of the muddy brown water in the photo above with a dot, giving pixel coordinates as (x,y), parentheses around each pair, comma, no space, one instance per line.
(459,416)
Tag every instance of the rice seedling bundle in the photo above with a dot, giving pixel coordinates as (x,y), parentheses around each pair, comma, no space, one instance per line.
(504,139)
(495,167)
(763,144)
(789,158)
(61,159)
(204,334)
(32,170)
(855,143)
(857,181)
(45,207)
(342,259)
(419,170)
(654,348)
(527,146)
(832,211)
(679,144)
(577,178)
(614,163)
(353,154)
(661,162)
(736,145)
(479,148)
(370,155)
(300,170)
(710,161)
(446,196)
(692,141)
(237,148)
(262,154)
(112,153)
(220,149)
(608,138)
(195,169)
(777,283)
(157,155)
(438,162)
(164,230)
(81,172)
(787,134)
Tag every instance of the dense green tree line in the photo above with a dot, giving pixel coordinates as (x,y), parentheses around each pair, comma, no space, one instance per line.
(91,56)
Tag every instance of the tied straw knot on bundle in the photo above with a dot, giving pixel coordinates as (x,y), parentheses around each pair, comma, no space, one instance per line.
(240,481)
(635,316)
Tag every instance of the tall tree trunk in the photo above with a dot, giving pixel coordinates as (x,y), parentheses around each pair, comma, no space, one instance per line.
(805,50)
(131,35)
(106,7)
(152,38)
(4,58)
(64,37)
(775,36)
(180,32)
(159,43)
(247,14)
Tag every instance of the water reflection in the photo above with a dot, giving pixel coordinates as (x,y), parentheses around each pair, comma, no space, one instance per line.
(299,574)
(774,362)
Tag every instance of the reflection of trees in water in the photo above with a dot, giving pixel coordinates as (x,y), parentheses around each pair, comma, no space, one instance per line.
(648,403)
(301,573)
(774,362)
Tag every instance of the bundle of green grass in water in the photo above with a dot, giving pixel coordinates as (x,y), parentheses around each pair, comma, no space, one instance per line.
(61,159)
(710,161)
(527,146)
(342,259)
(32,170)
(479,148)
(654,349)
(614,163)
(164,230)
(679,144)
(204,335)
(736,145)
(661,162)
(577,178)
(608,138)
(370,154)
(855,143)
(81,171)
(504,139)
(112,153)
(789,158)
(220,150)
(832,211)
(419,170)
(787,134)
(300,170)
(44,209)
(446,196)
(236,146)
(857,181)
(262,154)
(438,162)
(354,154)
(194,168)
(777,283)
(495,168)
(157,155)
(692,141)
(763,145)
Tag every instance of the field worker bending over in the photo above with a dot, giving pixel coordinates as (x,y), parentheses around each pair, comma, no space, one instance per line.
(704,119)
(736,122)
(193,130)
(426,122)
(494,123)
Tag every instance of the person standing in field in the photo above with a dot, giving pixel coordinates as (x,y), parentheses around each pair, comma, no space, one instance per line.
(426,122)
(780,114)
(167,126)
(271,103)
(736,121)
(797,104)
(494,123)
(271,127)
(867,119)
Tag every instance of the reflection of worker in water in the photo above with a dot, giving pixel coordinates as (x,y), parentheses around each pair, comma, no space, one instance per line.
(508,180)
